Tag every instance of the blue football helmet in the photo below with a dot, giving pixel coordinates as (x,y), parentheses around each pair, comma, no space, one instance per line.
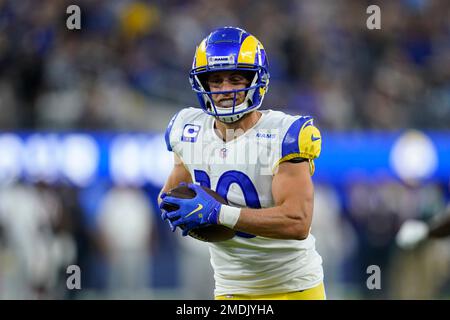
(229,49)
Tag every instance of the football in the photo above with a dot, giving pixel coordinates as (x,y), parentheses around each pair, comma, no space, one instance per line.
(210,233)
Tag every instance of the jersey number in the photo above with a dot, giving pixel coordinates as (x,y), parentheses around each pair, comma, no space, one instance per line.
(223,186)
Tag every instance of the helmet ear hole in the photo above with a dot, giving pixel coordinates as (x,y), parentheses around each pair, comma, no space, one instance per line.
(249,75)
(203,78)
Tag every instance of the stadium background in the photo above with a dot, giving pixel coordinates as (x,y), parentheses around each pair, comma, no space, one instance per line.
(82,155)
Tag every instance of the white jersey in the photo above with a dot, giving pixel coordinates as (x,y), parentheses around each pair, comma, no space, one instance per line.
(241,171)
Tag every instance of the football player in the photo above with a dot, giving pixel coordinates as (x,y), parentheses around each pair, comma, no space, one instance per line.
(260,161)
(414,232)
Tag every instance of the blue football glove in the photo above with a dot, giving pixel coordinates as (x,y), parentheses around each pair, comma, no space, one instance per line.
(201,210)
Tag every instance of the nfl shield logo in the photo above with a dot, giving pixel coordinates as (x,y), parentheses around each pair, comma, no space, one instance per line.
(223,153)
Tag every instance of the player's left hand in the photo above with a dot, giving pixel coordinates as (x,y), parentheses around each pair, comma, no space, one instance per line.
(201,210)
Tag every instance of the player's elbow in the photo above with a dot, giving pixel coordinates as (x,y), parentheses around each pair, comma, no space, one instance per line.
(298,216)
(302,226)
(301,233)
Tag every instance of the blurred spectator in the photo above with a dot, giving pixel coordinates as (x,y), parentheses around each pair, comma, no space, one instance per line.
(335,240)
(39,246)
(377,210)
(195,271)
(126,232)
(324,59)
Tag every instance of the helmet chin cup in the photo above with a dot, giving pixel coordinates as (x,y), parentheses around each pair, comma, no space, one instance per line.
(230,119)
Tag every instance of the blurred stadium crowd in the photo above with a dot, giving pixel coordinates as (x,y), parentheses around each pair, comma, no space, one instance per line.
(127,70)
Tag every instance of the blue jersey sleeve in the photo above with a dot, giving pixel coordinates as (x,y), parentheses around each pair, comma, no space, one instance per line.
(302,140)
(168,131)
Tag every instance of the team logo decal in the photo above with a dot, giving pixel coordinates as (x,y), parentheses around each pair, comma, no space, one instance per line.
(217,60)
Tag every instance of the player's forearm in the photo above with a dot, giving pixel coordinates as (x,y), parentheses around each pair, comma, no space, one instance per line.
(280,222)
(179,174)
